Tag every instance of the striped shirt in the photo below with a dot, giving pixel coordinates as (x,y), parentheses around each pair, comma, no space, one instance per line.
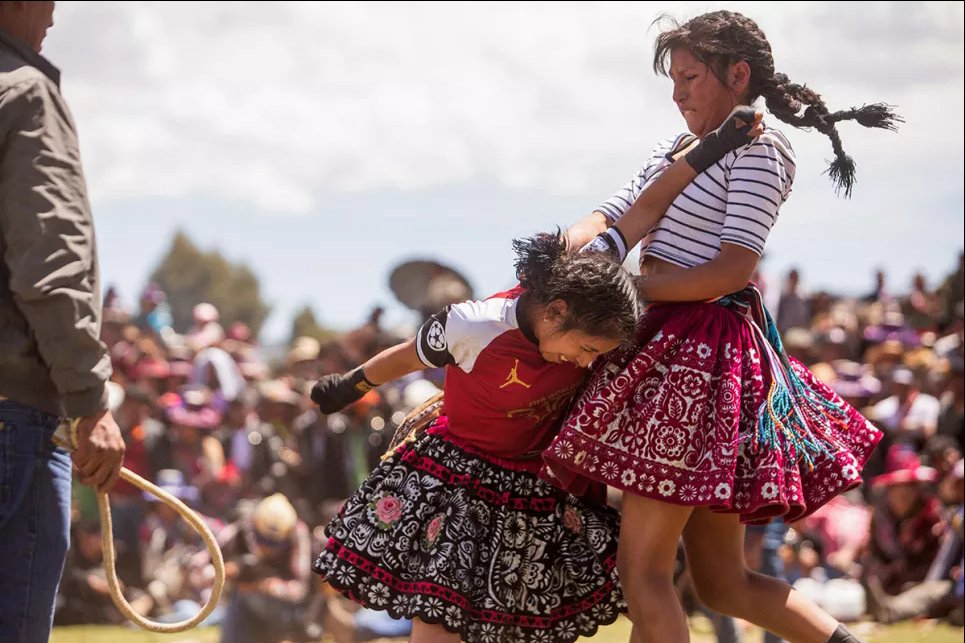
(736,200)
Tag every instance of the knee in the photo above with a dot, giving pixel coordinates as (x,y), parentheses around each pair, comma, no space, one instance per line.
(643,581)
(722,594)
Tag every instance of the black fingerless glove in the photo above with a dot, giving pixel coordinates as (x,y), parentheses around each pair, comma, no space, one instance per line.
(715,145)
(611,242)
(334,392)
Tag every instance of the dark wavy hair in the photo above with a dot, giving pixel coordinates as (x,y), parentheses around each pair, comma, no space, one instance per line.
(722,38)
(600,294)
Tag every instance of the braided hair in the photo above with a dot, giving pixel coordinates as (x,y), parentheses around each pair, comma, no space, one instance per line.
(722,38)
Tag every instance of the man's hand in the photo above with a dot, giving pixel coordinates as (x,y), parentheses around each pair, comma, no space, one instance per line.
(100,451)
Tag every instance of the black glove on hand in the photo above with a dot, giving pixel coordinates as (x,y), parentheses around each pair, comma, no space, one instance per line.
(729,136)
(334,392)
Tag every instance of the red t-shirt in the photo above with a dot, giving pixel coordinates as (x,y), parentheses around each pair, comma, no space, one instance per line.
(501,396)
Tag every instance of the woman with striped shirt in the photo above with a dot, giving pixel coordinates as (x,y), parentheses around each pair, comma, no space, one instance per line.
(705,423)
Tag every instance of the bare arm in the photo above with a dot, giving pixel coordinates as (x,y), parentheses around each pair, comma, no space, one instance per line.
(647,209)
(393,363)
(583,231)
(728,272)
(642,215)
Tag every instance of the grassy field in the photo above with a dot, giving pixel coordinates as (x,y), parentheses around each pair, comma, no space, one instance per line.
(920,632)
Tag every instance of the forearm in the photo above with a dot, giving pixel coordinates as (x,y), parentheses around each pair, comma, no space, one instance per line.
(646,211)
(393,363)
(583,231)
(729,272)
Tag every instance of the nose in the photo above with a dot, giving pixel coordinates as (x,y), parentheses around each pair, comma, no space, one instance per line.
(679,93)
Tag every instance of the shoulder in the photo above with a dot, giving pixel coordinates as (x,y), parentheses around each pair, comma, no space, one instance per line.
(667,145)
(771,145)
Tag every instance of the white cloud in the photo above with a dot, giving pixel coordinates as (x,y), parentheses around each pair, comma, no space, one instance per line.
(271,104)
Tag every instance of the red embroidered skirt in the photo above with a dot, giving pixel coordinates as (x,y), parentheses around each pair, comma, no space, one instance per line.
(676,417)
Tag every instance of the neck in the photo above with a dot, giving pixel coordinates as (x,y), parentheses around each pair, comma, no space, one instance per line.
(527,317)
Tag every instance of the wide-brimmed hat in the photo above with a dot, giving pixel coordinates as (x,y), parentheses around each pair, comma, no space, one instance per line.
(274,518)
(303,349)
(852,379)
(902,466)
(193,409)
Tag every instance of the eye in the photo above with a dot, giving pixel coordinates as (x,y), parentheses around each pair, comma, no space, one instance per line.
(690,77)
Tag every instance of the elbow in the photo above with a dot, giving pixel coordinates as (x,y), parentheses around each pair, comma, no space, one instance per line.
(736,283)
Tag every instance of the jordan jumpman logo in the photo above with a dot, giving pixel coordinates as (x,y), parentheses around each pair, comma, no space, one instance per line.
(513,377)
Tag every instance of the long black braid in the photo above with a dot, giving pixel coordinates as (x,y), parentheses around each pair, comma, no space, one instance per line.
(721,38)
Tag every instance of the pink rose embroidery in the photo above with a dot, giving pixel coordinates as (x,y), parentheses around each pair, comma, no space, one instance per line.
(388,510)
(433,529)
(572,520)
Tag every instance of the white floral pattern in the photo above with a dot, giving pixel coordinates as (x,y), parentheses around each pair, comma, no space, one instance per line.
(674,417)
(463,554)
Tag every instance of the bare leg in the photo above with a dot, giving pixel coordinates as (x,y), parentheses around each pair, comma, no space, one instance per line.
(715,552)
(649,533)
(423,632)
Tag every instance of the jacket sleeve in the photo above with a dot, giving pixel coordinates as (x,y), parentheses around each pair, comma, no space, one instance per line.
(48,241)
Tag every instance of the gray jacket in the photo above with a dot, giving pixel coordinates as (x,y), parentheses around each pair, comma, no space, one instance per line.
(51,356)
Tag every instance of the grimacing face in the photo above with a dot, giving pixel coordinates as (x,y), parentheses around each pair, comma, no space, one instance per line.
(703,100)
(572,346)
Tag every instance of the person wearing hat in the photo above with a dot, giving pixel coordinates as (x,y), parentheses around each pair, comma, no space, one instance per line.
(267,563)
(906,523)
(302,359)
(939,594)
(907,415)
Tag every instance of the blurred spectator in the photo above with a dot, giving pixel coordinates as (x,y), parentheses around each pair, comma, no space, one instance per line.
(154,315)
(205,331)
(951,419)
(216,370)
(906,523)
(84,595)
(251,446)
(879,294)
(179,580)
(132,409)
(302,359)
(921,305)
(267,561)
(939,593)
(793,309)
(908,415)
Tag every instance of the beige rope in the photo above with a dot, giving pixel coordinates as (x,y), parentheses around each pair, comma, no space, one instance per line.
(66,437)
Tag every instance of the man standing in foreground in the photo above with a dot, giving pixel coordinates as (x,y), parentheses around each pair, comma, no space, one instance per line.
(53,365)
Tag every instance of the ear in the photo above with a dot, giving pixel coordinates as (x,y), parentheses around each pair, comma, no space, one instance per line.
(739,77)
(556,310)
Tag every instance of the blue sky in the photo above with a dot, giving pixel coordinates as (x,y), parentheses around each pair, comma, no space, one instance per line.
(324,143)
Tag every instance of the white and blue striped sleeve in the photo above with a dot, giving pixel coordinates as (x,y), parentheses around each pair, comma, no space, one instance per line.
(618,204)
(759,181)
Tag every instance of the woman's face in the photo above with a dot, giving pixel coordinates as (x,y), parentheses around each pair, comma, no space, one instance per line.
(573,346)
(703,100)
(902,498)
